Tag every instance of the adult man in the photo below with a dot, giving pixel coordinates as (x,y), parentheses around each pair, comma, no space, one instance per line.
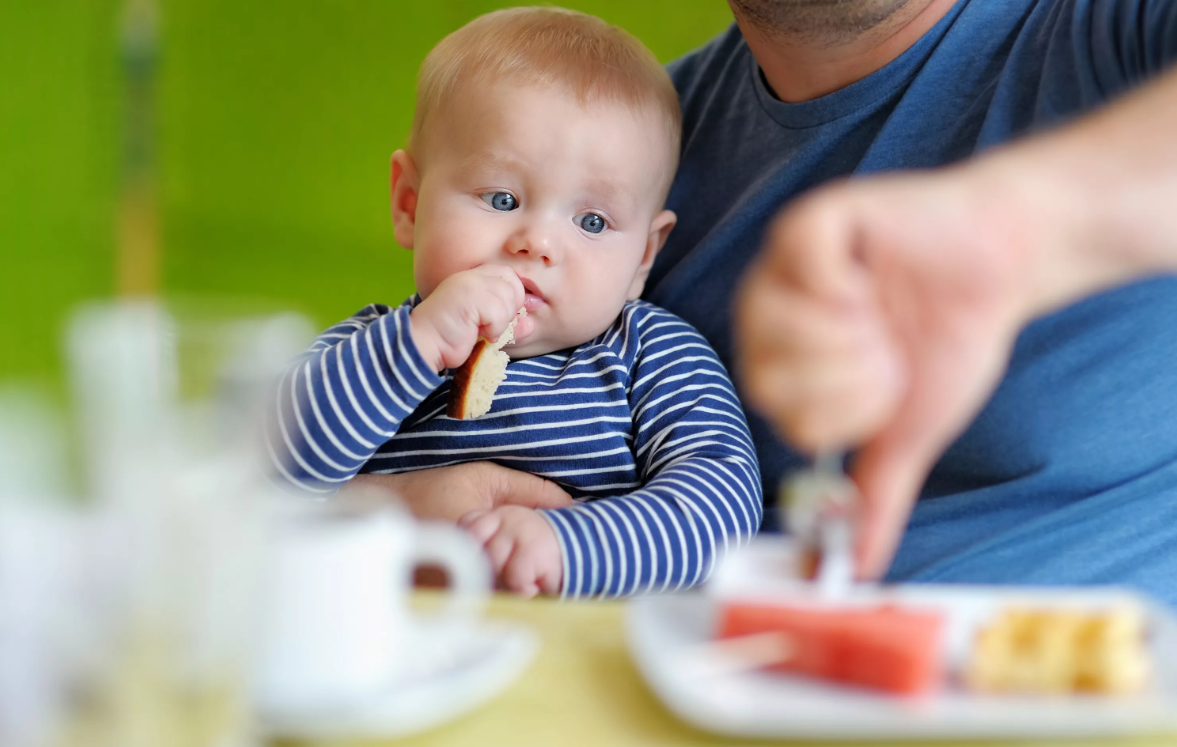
(884,310)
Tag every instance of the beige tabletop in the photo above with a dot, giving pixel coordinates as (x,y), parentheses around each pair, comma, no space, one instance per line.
(582,689)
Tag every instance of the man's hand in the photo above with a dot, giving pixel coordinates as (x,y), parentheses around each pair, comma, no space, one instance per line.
(522,547)
(449,493)
(881,315)
(467,305)
(883,310)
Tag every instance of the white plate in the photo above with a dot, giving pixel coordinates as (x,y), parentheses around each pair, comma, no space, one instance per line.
(447,678)
(764,704)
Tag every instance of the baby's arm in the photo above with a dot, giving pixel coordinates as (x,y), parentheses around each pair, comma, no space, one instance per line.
(701,491)
(344,397)
(352,388)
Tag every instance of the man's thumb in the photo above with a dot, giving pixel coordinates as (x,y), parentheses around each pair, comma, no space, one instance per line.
(889,471)
(525,489)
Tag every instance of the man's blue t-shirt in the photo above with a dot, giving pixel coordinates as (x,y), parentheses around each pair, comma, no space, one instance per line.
(1069,475)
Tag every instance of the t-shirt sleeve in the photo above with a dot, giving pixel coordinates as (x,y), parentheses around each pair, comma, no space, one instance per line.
(700,494)
(344,397)
(1130,41)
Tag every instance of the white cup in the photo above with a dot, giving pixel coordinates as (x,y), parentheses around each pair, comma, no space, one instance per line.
(337,627)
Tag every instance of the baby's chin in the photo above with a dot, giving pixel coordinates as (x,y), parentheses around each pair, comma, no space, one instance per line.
(542,341)
(531,348)
(538,344)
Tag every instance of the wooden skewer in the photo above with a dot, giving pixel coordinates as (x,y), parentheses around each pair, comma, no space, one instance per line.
(735,655)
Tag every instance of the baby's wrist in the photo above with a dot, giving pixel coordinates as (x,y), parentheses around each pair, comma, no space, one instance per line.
(425,338)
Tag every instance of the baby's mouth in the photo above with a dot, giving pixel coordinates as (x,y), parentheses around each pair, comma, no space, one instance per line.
(532,298)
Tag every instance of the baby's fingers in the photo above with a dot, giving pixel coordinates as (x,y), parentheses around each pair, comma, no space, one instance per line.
(518,575)
(494,314)
(505,296)
(524,326)
(482,524)
(498,550)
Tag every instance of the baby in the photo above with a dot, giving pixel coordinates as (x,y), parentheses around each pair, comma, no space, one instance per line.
(542,150)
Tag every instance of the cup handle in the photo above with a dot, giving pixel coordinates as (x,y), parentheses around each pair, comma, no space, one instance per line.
(436,543)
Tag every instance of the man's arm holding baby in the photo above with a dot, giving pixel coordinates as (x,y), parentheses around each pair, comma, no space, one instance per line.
(450,493)
(700,493)
(348,394)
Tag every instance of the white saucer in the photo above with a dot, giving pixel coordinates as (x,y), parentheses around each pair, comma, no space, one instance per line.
(447,678)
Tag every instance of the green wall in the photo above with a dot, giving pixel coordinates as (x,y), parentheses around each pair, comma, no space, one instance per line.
(58,172)
(276,121)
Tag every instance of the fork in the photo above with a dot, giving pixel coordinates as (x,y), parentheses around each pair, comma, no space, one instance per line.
(821,505)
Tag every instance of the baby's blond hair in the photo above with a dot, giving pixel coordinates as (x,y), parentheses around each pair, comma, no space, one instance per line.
(548,46)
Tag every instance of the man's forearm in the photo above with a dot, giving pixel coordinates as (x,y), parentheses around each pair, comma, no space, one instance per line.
(1103,191)
(427,494)
(449,493)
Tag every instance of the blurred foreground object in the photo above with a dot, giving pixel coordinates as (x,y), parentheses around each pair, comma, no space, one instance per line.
(182,506)
(1061,651)
(822,506)
(39,574)
(343,651)
(720,685)
(137,268)
(885,648)
(186,595)
(127,619)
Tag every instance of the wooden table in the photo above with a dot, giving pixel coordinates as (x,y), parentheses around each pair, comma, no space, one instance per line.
(583,689)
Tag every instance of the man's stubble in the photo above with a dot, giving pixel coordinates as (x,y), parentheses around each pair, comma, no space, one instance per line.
(823,21)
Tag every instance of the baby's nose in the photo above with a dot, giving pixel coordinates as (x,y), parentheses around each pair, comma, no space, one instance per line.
(537,244)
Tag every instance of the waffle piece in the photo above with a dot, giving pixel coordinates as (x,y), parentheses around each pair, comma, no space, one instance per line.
(1060,651)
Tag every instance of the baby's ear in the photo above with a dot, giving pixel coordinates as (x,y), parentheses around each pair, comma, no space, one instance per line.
(659,230)
(405,184)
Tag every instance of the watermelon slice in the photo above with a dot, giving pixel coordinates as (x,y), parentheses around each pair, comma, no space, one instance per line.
(882,648)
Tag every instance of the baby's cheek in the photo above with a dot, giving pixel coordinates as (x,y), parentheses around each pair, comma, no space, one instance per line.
(427,273)
(592,310)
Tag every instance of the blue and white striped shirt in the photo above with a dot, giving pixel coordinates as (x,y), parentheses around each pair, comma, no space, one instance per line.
(641,426)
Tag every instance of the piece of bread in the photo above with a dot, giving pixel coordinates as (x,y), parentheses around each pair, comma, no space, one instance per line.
(475,381)
(1060,651)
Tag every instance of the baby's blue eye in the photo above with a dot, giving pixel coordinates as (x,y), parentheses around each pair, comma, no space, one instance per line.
(504,201)
(592,222)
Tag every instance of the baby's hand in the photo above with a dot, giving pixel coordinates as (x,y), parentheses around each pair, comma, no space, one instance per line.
(522,547)
(467,305)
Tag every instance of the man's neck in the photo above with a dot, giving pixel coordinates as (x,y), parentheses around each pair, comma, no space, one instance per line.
(800,66)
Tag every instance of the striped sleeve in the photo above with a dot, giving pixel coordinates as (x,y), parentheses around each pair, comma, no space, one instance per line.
(701,492)
(344,397)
